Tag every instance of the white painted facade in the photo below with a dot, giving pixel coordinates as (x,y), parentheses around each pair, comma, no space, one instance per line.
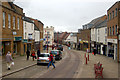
(37,35)
(94,34)
(48,32)
(102,35)
(28,30)
(71,38)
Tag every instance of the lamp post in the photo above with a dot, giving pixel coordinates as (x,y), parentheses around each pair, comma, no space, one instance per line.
(47,39)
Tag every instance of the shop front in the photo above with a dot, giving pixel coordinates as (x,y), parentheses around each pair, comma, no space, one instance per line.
(112,48)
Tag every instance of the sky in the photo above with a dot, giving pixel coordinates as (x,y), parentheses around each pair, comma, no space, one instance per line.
(65,15)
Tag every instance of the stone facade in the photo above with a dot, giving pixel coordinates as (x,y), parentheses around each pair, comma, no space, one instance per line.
(12,28)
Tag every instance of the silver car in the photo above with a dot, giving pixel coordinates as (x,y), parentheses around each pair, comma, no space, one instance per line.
(44,58)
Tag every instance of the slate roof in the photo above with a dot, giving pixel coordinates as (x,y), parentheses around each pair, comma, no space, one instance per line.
(102,24)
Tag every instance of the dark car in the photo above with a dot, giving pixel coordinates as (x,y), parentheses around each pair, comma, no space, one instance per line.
(60,47)
(57,54)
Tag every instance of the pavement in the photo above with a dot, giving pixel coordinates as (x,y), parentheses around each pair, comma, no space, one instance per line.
(20,63)
(85,71)
(110,67)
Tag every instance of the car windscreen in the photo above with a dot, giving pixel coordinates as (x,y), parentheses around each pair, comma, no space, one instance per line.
(54,52)
(44,55)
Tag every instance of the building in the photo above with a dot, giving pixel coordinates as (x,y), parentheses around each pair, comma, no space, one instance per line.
(83,39)
(102,37)
(39,25)
(72,39)
(94,32)
(12,28)
(49,35)
(113,23)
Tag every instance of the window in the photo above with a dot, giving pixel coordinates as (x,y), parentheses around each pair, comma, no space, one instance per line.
(116,30)
(113,30)
(25,35)
(3,19)
(13,22)
(112,14)
(108,16)
(110,31)
(25,26)
(98,31)
(18,23)
(105,30)
(48,32)
(9,21)
(116,12)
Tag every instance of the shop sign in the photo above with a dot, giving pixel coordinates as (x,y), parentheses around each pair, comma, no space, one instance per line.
(17,38)
(29,36)
(81,42)
(25,40)
(14,33)
(85,41)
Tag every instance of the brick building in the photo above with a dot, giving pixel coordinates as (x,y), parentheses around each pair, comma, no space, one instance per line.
(12,28)
(83,39)
(113,23)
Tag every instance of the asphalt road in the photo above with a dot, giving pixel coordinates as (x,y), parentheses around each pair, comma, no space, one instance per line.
(68,67)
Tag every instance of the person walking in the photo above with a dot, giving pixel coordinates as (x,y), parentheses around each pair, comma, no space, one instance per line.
(33,54)
(51,60)
(9,60)
(28,54)
(38,53)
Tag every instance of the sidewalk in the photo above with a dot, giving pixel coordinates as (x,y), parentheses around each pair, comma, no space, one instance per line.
(110,66)
(20,63)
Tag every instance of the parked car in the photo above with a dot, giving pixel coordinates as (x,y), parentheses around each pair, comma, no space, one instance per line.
(57,54)
(60,47)
(44,58)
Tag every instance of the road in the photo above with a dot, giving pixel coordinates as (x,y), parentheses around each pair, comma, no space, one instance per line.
(68,67)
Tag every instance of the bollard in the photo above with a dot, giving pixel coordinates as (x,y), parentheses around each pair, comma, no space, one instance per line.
(85,55)
(86,60)
(88,56)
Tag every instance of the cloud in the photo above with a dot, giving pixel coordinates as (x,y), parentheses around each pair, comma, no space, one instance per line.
(65,15)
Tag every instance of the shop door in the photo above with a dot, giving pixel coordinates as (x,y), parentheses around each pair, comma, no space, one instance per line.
(3,48)
(15,48)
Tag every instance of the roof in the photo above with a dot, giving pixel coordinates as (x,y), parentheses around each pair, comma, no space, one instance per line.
(62,35)
(27,19)
(66,36)
(102,24)
(113,5)
(99,20)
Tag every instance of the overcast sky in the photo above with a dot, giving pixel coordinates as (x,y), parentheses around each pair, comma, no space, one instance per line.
(65,15)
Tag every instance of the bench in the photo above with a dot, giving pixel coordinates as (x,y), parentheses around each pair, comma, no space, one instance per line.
(98,70)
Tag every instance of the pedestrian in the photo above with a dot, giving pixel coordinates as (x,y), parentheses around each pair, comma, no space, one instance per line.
(9,60)
(28,54)
(51,60)
(38,53)
(33,55)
